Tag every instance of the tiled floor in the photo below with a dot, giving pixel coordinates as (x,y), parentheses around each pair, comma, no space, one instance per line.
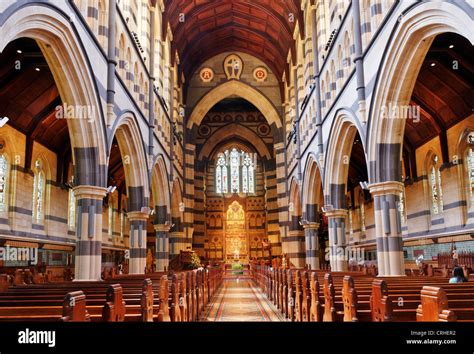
(238,300)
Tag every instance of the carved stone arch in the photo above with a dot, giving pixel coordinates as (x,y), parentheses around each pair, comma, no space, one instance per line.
(397,75)
(74,78)
(131,144)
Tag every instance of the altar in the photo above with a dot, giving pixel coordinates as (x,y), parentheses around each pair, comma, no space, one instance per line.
(236,236)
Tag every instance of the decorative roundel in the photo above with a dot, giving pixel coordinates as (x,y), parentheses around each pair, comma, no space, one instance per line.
(263,129)
(470,138)
(228,118)
(204,130)
(206,74)
(260,74)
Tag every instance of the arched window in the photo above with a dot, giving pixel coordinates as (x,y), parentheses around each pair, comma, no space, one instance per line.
(402,207)
(38,192)
(470,173)
(351,226)
(234,170)
(111,219)
(122,223)
(71,220)
(236,167)
(362,212)
(3,182)
(435,185)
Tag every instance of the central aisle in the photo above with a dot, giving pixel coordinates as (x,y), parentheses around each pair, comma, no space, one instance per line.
(238,300)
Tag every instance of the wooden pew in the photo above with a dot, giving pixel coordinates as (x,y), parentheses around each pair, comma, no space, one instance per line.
(74,308)
(114,308)
(434,306)
(146,301)
(316,310)
(329,299)
(349,299)
(381,306)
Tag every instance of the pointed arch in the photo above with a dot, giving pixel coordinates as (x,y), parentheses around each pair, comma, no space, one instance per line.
(74,78)
(339,147)
(403,57)
(161,190)
(234,87)
(134,159)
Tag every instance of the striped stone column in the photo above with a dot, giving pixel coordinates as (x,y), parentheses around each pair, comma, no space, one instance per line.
(282,196)
(137,255)
(162,247)
(388,228)
(178,242)
(337,239)
(312,244)
(88,232)
(189,195)
(273,227)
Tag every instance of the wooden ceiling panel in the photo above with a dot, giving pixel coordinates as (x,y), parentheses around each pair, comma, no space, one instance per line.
(444,89)
(253,24)
(29,96)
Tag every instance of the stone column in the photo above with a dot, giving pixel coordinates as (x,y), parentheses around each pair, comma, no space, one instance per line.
(137,255)
(312,244)
(162,247)
(88,232)
(388,228)
(337,239)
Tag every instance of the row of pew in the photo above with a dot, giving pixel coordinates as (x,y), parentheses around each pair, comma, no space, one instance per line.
(355,296)
(174,296)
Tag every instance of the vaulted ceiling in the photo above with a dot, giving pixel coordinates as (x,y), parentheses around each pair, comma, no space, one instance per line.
(263,28)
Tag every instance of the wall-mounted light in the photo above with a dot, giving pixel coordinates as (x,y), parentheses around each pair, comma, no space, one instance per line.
(111,189)
(327,208)
(4,121)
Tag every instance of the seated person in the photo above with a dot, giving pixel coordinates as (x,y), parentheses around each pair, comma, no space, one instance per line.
(458,276)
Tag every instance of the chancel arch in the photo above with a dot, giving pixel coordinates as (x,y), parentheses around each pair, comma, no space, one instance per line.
(234,87)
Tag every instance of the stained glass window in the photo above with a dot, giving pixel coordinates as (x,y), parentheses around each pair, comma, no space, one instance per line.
(236,167)
(38,192)
(234,170)
(401,207)
(351,228)
(122,224)
(3,182)
(362,213)
(245,179)
(436,191)
(111,219)
(251,179)
(221,174)
(225,180)
(470,173)
(71,210)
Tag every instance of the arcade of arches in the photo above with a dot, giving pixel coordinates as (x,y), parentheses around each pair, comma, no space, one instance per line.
(327,132)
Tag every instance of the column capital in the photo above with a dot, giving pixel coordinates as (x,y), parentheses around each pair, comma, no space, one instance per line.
(311,225)
(89,192)
(385,188)
(336,213)
(162,227)
(137,215)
